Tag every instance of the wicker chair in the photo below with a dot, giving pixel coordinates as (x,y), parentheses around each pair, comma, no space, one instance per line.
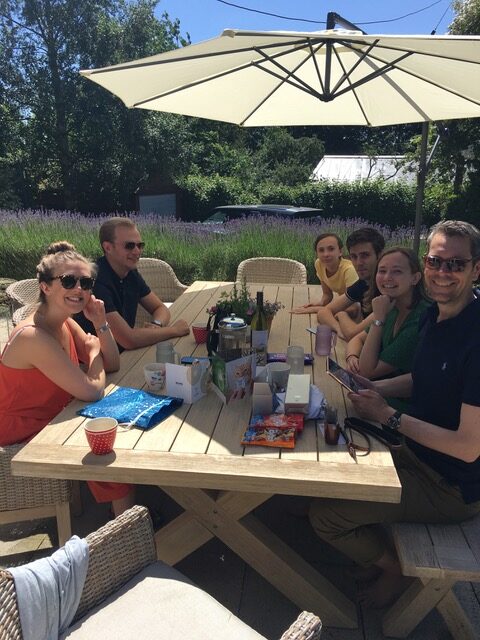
(272,270)
(118,551)
(162,280)
(22,292)
(23,312)
(24,499)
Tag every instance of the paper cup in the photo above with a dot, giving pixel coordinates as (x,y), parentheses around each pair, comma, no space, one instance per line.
(155,375)
(200,333)
(277,376)
(101,433)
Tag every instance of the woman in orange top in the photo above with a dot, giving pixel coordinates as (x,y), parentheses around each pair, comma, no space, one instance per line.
(39,367)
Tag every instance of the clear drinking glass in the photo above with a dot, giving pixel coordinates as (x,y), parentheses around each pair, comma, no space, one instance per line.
(295,358)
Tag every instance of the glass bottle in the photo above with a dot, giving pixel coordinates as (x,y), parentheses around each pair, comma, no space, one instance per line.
(260,331)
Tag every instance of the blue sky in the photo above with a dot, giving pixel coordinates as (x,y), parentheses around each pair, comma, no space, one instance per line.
(204,19)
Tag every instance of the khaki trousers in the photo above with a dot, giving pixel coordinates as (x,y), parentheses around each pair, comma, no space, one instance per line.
(355,528)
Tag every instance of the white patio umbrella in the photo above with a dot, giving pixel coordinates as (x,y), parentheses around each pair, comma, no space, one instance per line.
(332,77)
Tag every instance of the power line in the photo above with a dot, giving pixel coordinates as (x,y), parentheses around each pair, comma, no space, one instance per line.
(434,30)
(359,22)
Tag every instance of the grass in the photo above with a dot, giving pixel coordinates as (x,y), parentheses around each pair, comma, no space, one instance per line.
(194,250)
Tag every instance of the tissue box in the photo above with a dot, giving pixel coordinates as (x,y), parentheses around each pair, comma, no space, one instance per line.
(187,382)
(298,393)
(233,379)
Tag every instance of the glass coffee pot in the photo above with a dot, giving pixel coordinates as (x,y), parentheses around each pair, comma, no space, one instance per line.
(232,337)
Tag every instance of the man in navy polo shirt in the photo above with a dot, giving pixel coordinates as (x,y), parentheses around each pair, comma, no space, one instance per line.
(439,465)
(122,289)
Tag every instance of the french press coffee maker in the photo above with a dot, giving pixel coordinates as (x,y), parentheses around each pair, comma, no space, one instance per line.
(232,337)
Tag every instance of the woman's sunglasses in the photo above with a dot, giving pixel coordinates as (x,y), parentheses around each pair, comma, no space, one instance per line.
(453,265)
(69,281)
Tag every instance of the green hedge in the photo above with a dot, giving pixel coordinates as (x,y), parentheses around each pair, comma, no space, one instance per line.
(376,201)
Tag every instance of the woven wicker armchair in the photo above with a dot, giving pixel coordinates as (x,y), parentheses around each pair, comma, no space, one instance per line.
(23,312)
(24,499)
(162,280)
(272,270)
(118,551)
(22,292)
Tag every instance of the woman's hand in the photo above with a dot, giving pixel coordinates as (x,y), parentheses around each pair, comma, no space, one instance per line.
(381,306)
(306,308)
(95,311)
(353,363)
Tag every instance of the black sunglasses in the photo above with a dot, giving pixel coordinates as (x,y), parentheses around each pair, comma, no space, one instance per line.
(453,265)
(69,281)
(130,246)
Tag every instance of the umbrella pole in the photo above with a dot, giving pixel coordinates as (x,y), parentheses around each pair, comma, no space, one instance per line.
(421,176)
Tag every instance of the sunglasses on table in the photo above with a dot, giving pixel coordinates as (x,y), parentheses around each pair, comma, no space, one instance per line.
(453,265)
(69,281)
(130,246)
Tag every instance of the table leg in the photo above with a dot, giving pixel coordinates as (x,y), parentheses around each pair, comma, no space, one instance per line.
(268,555)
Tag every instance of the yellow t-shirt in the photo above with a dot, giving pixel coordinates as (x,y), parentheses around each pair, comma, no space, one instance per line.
(344,276)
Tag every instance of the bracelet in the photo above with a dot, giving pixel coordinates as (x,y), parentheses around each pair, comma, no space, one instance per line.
(105,327)
(158,323)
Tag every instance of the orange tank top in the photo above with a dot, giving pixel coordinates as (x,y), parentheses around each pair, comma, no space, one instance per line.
(28,399)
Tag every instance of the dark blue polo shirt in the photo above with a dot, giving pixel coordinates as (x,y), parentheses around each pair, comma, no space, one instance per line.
(118,294)
(446,373)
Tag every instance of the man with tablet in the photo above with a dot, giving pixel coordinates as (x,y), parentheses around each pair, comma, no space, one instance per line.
(439,464)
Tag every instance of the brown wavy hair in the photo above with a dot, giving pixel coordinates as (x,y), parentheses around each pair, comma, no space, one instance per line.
(418,293)
(58,253)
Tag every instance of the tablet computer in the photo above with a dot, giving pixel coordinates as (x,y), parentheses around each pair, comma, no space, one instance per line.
(344,377)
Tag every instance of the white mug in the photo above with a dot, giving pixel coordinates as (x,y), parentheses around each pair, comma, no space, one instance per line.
(154,373)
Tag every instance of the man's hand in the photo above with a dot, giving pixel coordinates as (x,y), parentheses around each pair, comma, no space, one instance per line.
(92,347)
(369,404)
(181,328)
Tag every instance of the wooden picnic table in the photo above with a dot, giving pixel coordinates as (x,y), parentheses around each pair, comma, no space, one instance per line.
(195,456)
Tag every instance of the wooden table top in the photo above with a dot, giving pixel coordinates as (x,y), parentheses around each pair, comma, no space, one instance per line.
(199,445)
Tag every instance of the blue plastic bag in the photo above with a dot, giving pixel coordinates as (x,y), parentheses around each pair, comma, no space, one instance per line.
(127,404)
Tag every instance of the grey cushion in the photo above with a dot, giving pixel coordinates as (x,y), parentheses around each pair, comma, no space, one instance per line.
(160,602)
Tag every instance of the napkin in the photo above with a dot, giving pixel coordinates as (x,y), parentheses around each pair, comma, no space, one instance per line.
(127,404)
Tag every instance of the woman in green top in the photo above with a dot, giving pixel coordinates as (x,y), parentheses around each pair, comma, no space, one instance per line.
(388,345)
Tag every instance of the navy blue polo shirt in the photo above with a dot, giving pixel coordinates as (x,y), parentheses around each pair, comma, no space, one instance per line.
(118,294)
(356,293)
(446,373)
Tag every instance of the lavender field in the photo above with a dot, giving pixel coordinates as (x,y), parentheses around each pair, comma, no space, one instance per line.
(195,250)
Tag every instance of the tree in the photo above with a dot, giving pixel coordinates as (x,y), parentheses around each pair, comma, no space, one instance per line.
(79,139)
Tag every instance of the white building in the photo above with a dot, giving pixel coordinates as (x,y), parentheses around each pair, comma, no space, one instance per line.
(352,168)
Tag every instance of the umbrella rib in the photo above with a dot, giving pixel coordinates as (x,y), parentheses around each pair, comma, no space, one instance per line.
(375,74)
(423,79)
(295,44)
(360,106)
(346,75)
(307,88)
(439,56)
(312,55)
(298,84)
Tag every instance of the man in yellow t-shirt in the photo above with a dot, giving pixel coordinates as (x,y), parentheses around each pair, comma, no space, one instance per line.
(335,272)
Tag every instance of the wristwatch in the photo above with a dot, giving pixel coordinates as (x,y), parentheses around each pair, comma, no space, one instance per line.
(393,421)
(379,323)
(159,323)
(105,327)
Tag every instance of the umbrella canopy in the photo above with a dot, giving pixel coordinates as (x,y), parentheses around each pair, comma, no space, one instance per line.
(333,77)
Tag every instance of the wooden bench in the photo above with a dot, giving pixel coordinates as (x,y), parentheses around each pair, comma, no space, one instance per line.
(437,556)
